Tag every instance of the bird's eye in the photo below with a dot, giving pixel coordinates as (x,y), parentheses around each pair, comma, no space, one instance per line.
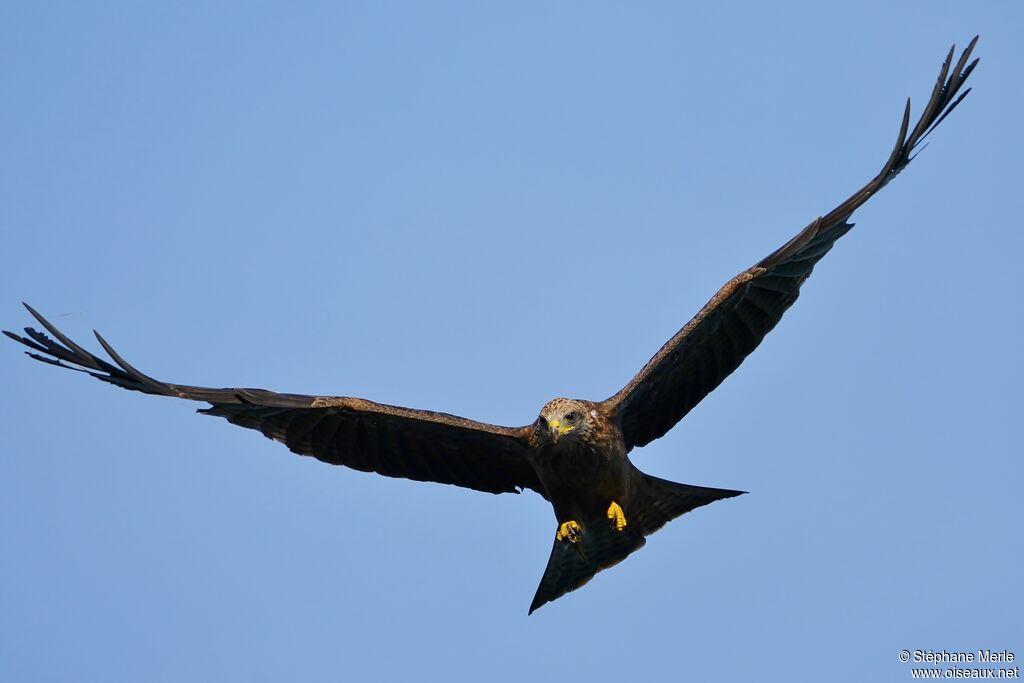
(542,423)
(572,417)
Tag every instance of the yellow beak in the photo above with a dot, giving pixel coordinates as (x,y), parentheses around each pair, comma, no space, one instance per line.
(558,429)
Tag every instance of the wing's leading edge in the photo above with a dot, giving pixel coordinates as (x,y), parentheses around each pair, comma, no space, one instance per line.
(732,324)
(372,437)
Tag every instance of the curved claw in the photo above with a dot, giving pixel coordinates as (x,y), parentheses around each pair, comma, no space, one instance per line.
(615,513)
(569,531)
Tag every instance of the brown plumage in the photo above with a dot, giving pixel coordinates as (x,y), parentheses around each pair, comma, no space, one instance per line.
(576,453)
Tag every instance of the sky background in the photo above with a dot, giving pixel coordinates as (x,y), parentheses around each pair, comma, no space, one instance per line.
(473,209)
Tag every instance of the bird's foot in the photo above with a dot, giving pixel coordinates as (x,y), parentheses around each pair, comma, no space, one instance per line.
(615,513)
(569,531)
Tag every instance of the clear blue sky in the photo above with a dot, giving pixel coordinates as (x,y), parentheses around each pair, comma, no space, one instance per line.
(474,209)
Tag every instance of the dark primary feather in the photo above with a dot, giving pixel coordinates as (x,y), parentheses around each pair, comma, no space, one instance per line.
(714,343)
(372,437)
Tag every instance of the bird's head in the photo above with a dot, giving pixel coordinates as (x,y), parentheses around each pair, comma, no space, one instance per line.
(564,419)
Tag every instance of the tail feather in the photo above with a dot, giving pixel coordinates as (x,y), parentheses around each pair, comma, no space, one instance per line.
(573,564)
(656,502)
(653,503)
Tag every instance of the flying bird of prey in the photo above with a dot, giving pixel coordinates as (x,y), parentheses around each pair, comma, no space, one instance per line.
(576,453)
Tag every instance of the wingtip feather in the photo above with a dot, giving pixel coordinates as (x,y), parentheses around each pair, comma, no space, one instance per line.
(126,366)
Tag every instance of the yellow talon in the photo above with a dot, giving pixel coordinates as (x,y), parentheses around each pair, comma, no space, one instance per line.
(568,531)
(615,512)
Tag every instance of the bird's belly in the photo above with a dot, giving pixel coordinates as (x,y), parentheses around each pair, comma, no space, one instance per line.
(582,483)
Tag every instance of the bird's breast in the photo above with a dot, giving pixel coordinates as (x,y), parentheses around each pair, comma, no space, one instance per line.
(577,472)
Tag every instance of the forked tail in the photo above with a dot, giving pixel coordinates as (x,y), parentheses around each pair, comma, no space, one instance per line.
(653,503)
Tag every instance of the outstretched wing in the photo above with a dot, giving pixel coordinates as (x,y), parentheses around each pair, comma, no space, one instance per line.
(738,317)
(363,435)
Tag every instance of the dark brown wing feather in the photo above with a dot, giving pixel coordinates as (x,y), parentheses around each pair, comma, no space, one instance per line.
(738,317)
(363,435)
